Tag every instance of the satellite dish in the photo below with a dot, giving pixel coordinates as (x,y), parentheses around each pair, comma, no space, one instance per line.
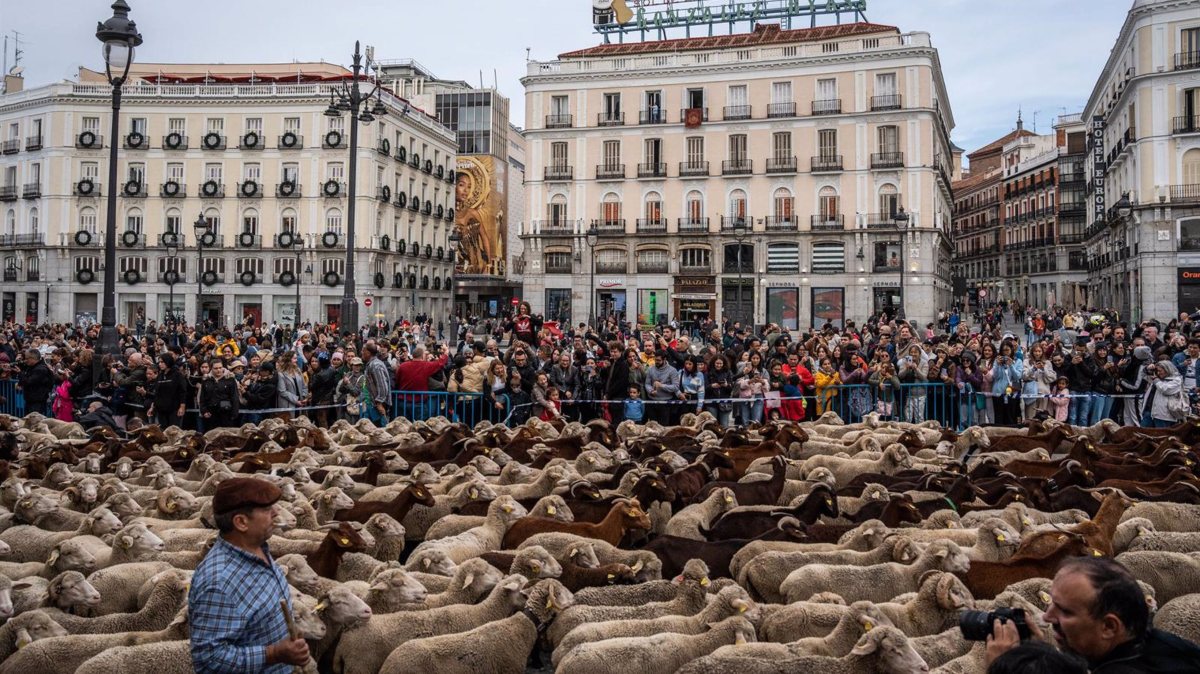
(16,71)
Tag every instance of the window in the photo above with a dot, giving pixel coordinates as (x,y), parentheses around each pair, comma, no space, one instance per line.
(291,124)
(284,265)
(336,124)
(695,98)
(133,221)
(87,220)
(137,264)
(785,205)
(889,201)
(558,263)
(828,203)
(1191,167)
(695,150)
(333,221)
(653,105)
(249,264)
(652,262)
(34,223)
(610,209)
(336,265)
(335,171)
(826,89)
(252,172)
(212,217)
(653,151)
(695,206)
(889,139)
(558,305)
(612,106)
(612,154)
(215,125)
(254,125)
(695,258)
(738,101)
(737,148)
(739,257)
(781,92)
(611,261)
(1189,234)
(1189,39)
(287,221)
(213,172)
(175,172)
(35,173)
(89,262)
(783,258)
(137,173)
(250,222)
(173,222)
(177,125)
(559,107)
(291,173)
(138,125)
(10,222)
(653,208)
(556,210)
(89,170)
(827,144)
(781,145)
(737,205)
(91,124)
(558,155)
(829,258)
(177,263)
(885,84)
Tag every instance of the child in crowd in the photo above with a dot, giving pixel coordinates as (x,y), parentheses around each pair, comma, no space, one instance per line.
(635,409)
(1060,399)
(553,405)
(827,380)
(887,385)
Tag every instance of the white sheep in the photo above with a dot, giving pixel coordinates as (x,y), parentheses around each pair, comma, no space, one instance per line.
(552,506)
(882,649)
(894,459)
(860,618)
(879,582)
(1166,516)
(1172,574)
(120,584)
(764,574)
(484,538)
(1181,617)
(68,653)
(655,654)
(31,543)
(687,522)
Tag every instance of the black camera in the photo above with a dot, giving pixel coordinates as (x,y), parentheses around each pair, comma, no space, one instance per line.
(977,625)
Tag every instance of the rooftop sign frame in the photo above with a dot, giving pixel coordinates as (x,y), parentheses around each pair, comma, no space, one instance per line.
(659,19)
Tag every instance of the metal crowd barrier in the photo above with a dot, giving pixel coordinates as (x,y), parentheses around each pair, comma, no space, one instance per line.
(914,402)
(12,401)
(469,408)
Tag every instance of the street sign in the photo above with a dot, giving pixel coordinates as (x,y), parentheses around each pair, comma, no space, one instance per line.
(982,293)
(367,302)
(515,301)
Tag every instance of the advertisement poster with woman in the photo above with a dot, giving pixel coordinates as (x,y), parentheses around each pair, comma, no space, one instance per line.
(480,200)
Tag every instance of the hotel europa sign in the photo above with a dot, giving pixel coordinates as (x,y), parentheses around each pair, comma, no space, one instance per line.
(659,16)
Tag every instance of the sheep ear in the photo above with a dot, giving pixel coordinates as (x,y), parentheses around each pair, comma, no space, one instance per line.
(125,541)
(426,562)
(53,558)
(865,646)
(574,551)
(1001,535)
(467,580)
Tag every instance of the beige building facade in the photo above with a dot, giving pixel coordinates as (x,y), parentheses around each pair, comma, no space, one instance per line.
(750,177)
(248,150)
(1143,118)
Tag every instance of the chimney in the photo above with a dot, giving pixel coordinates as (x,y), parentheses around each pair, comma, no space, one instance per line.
(13,84)
(1020,124)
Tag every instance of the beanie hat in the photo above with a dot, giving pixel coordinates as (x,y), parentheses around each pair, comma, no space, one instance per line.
(1141,352)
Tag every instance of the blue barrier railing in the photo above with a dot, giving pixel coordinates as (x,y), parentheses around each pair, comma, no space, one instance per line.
(469,408)
(914,402)
(12,401)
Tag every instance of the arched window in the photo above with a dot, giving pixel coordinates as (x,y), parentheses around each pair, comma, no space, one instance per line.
(10,222)
(737,205)
(610,210)
(213,217)
(739,256)
(333,221)
(87,220)
(829,258)
(288,221)
(173,221)
(785,206)
(34,222)
(652,208)
(1191,168)
(783,258)
(250,221)
(889,202)
(694,206)
(829,209)
(133,220)
(556,210)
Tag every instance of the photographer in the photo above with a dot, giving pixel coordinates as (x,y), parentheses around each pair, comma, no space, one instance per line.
(170,395)
(1098,612)
(219,397)
(36,382)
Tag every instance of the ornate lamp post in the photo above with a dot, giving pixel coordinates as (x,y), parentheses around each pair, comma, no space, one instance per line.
(201,226)
(901,220)
(350,98)
(739,235)
(120,37)
(592,236)
(299,252)
(455,239)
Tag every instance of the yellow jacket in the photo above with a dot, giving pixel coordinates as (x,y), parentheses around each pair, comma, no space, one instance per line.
(826,388)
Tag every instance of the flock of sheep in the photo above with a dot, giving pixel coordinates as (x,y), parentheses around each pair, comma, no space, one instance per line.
(432,547)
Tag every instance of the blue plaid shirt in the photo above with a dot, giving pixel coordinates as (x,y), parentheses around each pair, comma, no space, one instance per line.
(233,608)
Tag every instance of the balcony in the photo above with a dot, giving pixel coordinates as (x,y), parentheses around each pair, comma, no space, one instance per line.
(693,169)
(213,141)
(831,106)
(1186,60)
(829,163)
(287,190)
(175,141)
(734,223)
(652,226)
(885,102)
(734,113)
(249,240)
(89,140)
(136,140)
(211,189)
(559,173)
(692,225)
(887,160)
(610,119)
(827,222)
(14,240)
(1065,239)
(86,187)
(610,172)
(10,275)
(684,111)
(558,268)
(653,267)
(252,140)
(132,239)
(559,121)
(1185,124)
(777,110)
(615,226)
(33,143)
(8,192)
(737,167)
(1067,179)
(173,190)
(884,221)
(785,223)
(735,266)
(31,191)
(168,238)
(33,275)
(617,267)
(291,140)
(652,116)
(1185,194)
(11,146)
(781,165)
(554,227)
(652,170)
(695,269)
(250,189)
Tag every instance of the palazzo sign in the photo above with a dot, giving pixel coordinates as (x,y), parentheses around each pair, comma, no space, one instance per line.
(659,16)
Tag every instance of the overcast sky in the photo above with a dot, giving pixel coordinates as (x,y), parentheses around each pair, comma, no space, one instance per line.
(1042,56)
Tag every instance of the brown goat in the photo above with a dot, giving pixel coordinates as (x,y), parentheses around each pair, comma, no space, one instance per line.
(1097,533)
(985,580)
(342,538)
(397,507)
(624,516)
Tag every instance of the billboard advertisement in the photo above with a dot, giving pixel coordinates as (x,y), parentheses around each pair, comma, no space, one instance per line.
(480,200)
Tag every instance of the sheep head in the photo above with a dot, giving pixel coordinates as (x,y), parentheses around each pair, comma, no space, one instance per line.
(398,586)
(70,555)
(33,507)
(340,606)
(384,526)
(476,577)
(511,590)
(535,562)
(33,626)
(892,648)
(299,574)
(505,510)
(694,571)
(70,590)
(947,556)
(547,598)
(731,601)
(345,536)
(304,615)
(332,500)
(137,541)
(583,555)
(435,561)
(868,616)
(553,506)
(175,503)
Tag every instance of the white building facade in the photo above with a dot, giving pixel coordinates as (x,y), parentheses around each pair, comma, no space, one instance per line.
(751,177)
(248,151)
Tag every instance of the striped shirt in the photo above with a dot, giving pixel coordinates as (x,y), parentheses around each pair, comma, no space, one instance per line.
(233,608)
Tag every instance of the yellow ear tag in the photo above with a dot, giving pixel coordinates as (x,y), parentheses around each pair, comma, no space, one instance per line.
(704,582)
(321,605)
(474,493)
(1045,597)
(1097,553)
(741,609)
(868,626)
(549,603)
(729,499)
(611,576)
(828,502)
(550,510)
(344,541)
(1001,538)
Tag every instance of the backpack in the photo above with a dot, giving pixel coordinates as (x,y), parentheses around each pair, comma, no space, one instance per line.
(1179,405)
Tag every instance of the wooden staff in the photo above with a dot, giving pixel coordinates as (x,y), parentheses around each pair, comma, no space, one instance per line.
(291,627)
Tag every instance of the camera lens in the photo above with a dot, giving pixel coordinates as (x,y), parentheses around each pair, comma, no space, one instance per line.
(975,625)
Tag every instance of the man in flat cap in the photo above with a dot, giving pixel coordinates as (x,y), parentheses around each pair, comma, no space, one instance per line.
(233,604)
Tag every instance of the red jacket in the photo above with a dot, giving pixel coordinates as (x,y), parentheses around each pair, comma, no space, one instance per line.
(413,375)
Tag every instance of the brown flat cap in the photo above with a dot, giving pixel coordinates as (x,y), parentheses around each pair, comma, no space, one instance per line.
(242,492)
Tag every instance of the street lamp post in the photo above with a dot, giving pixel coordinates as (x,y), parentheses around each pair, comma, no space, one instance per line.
(201,226)
(299,252)
(350,98)
(901,220)
(120,37)
(455,240)
(592,236)
(739,235)
(172,251)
